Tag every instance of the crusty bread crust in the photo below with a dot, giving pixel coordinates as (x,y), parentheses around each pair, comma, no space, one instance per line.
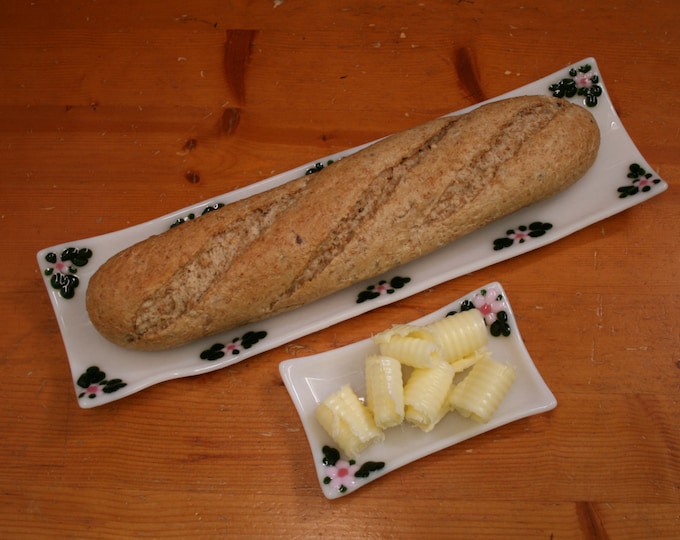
(386,205)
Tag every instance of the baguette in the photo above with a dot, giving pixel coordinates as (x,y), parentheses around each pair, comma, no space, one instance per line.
(382,207)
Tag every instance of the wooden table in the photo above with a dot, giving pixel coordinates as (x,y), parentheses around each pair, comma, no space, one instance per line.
(114,113)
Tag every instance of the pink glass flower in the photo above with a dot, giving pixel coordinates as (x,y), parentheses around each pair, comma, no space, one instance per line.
(518,235)
(583,80)
(489,304)
(644,182)
(342,474)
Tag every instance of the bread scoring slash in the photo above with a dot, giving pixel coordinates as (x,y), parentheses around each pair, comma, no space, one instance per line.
(390,203)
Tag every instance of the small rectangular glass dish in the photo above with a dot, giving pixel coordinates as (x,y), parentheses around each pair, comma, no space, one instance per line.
(309,380)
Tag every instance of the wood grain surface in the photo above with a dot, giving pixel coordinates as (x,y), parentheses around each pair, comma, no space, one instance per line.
(113,113)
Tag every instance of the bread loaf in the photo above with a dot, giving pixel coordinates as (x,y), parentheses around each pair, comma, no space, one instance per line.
(384,206)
